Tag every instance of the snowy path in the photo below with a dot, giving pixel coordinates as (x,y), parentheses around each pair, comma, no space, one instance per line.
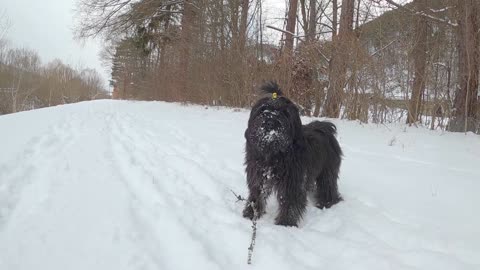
(139,185)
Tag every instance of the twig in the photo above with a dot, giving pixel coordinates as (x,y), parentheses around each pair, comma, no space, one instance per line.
(239,197)
(254,225)
(254,232)
(423,14)
(285,31)
(383,48)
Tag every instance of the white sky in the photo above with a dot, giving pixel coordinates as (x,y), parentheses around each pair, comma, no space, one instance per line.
(273,13)
(46,26)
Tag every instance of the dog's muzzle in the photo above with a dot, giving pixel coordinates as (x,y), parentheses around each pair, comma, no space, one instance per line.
(269,134)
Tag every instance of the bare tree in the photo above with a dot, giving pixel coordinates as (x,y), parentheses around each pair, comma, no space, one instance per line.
(291,23)
(373,65)
(25,84)
(115,18)
(468,42)
(338,62)
(188,20)
(4,25)
(419,55)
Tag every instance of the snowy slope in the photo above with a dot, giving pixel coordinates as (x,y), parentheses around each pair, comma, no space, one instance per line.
(146,185)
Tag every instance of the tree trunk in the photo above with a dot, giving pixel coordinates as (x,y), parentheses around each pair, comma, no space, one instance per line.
(464,114)
(234,18)
(291,22)
(242,74)
(338,61)
(243,25)
(357,18)
(303,9)
(419,55)
(334,18)
(185,48)
(319,95)
(312,21)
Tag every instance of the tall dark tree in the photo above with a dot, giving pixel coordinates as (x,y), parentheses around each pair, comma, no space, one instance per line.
(419,55)
(338,62)
(188,20)
(291,22)
(465,116)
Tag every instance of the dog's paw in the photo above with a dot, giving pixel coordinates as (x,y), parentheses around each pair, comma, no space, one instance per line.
(323,205)
(248,212)
(286,222)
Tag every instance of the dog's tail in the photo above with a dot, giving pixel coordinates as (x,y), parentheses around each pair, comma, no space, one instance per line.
(271,87)
(325,127)
(329,130)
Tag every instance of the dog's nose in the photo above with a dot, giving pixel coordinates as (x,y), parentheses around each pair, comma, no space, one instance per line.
(269,125)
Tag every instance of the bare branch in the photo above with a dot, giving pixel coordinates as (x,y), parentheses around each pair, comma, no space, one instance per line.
(427,16)
(284,31)
(254,225)
(239,197)
(383,48)
(254,232)
(114,18)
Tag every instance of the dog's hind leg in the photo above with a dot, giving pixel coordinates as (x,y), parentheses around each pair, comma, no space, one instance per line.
(326,193)
(293,201)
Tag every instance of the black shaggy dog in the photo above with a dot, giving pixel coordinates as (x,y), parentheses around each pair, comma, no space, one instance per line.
(288,158)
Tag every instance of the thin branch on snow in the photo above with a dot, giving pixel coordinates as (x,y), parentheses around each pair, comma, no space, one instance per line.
(254,225)
(254,232)
(239,197)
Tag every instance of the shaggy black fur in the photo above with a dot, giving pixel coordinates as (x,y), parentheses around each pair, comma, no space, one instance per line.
(290,159)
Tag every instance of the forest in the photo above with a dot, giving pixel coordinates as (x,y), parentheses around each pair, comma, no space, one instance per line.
(166,145)
(379,61)
(27,83)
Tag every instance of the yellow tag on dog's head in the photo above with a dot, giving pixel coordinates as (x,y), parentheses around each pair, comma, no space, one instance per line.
(274,95)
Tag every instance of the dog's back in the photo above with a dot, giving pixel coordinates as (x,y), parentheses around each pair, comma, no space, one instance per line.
(321,136)
(324,127)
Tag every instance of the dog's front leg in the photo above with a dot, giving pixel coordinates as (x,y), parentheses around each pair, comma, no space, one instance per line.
(257,198)
(292,199)
(258,193)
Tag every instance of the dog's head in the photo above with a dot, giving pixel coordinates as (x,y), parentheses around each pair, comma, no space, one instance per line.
(274,123)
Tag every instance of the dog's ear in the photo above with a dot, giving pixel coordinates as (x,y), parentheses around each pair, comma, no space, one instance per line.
(245,134)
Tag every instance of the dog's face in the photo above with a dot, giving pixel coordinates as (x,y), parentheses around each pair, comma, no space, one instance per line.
(273,125)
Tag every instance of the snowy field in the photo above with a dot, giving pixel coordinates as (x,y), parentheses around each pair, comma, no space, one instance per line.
(147,185)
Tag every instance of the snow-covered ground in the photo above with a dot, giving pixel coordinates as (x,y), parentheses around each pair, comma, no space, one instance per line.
(147,185)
